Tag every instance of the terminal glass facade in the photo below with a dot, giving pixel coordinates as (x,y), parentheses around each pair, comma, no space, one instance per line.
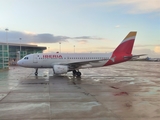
(16,54)
(4,56)
(11,53)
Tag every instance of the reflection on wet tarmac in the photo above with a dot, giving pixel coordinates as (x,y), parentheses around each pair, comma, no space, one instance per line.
(127,91)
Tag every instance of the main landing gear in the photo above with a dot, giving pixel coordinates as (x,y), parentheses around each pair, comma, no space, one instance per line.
(36,72)
(76,73)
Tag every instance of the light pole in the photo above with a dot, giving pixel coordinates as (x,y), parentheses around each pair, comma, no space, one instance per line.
(74,48)
(60,47)
(20,49)
(6,36)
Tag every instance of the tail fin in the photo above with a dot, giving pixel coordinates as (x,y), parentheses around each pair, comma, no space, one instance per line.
(127,44)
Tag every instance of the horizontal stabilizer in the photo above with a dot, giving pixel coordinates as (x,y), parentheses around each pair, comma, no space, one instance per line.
(139,55)
(134,56)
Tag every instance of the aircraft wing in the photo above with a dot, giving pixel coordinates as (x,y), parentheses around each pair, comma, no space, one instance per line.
(74,65)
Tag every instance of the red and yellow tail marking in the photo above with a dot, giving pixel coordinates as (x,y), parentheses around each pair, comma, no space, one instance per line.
(124,49)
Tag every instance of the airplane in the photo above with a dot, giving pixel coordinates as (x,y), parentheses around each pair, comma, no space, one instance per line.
(65,62)
(152,59)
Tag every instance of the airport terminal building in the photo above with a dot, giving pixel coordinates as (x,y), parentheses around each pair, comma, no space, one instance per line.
(10,53)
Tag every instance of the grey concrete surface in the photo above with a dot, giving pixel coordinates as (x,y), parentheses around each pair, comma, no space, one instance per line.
(127,91)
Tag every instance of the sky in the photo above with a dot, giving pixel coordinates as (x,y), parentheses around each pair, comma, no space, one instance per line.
(96,26)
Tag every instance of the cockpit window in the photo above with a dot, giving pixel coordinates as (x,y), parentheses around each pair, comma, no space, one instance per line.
(26,58)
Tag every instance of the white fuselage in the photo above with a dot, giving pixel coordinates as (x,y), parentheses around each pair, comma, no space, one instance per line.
(47,60)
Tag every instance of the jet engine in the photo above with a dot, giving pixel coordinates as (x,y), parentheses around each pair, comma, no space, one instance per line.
(60,69)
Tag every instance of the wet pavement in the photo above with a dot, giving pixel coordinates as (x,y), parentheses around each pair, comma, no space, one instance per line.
(127,91)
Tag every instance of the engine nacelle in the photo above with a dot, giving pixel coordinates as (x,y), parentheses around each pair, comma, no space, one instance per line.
(60,69)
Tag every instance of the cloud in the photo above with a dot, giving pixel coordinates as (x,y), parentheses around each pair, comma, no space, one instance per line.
(48,38)
(146,45)
(106,48)
(133,6)
(117,26)
(30,37)
(157,49)
(87,38)
(82,41)
(150,53)
(28,32)
(142,49)
(82,37)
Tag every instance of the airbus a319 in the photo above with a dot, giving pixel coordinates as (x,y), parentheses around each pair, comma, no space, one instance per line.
(65,62)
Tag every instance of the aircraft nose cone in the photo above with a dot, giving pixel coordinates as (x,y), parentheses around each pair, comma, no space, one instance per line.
(19,62)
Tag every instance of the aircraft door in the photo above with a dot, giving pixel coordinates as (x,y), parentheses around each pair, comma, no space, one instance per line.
(35,58)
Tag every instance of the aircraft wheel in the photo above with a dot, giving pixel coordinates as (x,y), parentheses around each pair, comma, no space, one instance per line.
(74,72)
(78,74)
(36,72)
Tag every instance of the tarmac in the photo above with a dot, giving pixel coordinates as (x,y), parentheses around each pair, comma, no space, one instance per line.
(126,91)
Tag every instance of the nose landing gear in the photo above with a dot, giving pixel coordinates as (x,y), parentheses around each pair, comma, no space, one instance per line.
(36,72)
